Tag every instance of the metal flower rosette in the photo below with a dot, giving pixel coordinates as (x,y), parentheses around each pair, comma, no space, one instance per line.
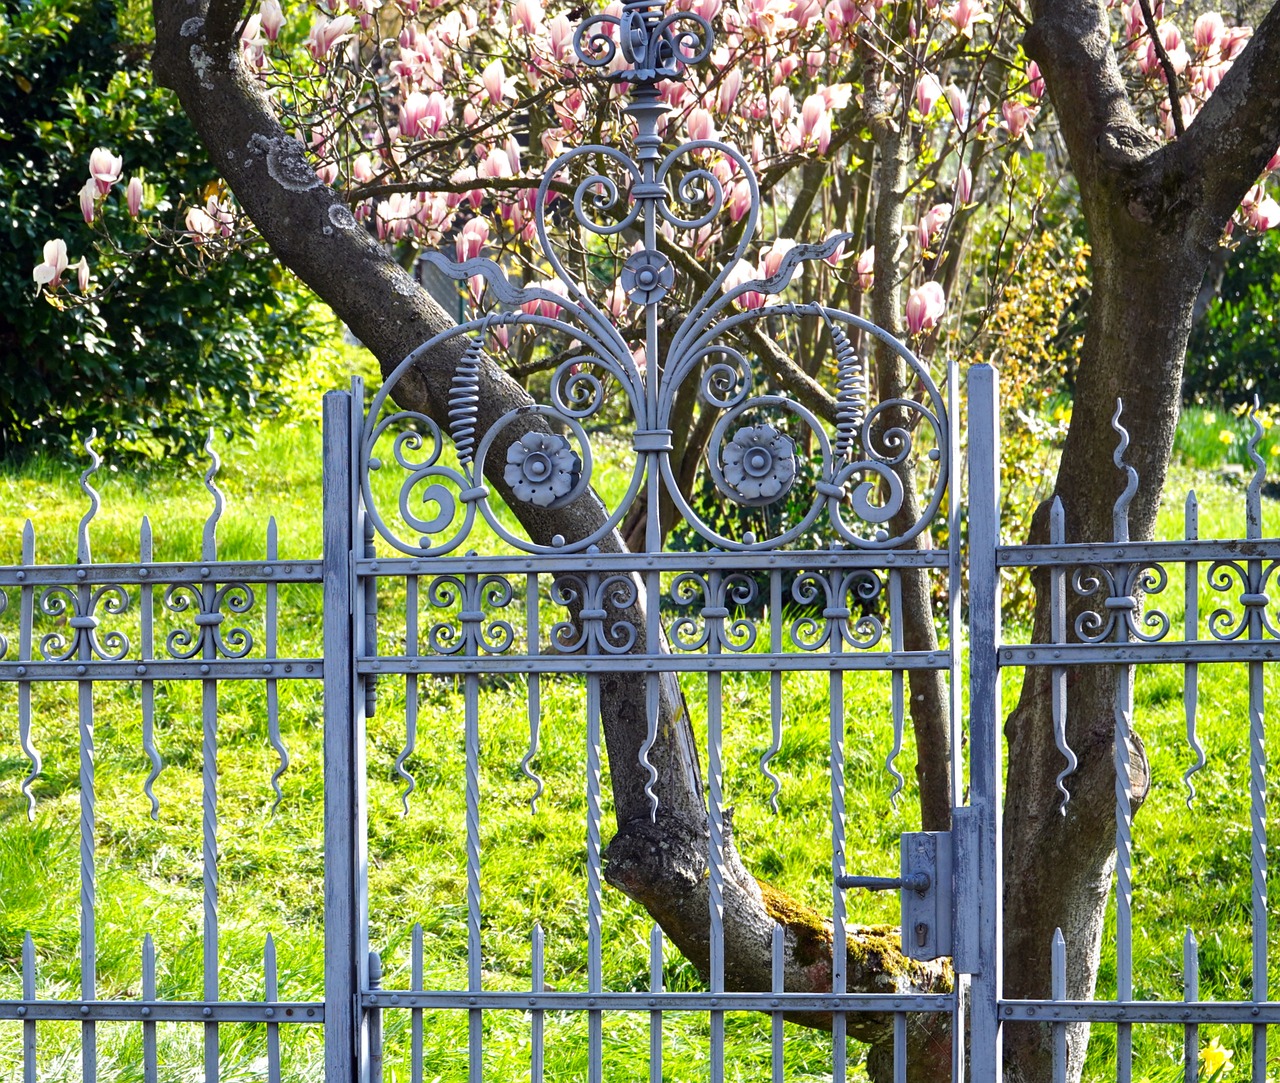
(763,447)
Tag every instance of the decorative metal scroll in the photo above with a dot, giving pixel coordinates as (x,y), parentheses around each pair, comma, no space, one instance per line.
(764,446)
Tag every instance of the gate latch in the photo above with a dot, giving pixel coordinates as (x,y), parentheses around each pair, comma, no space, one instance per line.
(926,887)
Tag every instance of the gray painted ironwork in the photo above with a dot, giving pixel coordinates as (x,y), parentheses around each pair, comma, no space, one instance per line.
(406,597)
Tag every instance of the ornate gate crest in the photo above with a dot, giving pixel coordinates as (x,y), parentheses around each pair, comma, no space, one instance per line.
(641,209)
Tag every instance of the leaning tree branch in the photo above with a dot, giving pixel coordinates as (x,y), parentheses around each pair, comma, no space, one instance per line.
(1166,65)
(1231,139)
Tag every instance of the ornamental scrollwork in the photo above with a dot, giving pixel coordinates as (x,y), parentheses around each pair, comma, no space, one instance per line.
(845,617)
(208,607)
(1119,589)
(474,628)
(597,601)
(719,601)
(77,609)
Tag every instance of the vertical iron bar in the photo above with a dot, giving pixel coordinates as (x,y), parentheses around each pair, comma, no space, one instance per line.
(26,621)
(373,1020)
(1058,990)
(272,653)
(410,692)
(899,1047)
(1124,867)
(985,717)
(271,993)
(1190,994)
(897,693)
(537,1049)
(778,984)
(471,694)
(340,781)
(955,649)
(1058,633)
(655,1016)
(775,689)
(88,822)
(715,794)
(415,1016)
(150,1058)
(209,786)
(1257,779)
(29,1025)
(595,977)
(533,628)
(1191,670)
(146,602)
(839,943)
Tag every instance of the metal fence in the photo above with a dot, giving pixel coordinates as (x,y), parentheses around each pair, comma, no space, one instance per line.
(454,595)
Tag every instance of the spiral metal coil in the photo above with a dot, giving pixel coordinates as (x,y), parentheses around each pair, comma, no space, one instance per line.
(464,403)
(851,392)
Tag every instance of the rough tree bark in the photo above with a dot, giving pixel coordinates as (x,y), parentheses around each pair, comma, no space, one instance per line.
(662,866)
(1155,213)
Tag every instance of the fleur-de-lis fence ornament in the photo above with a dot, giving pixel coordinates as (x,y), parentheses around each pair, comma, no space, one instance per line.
(209,610)
(645,202)
(475,629)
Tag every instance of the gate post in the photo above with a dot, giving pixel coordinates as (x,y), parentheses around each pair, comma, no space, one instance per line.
(341,983)
(985,774)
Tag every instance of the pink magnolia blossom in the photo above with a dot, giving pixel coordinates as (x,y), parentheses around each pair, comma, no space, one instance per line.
(272,18)
(782,105)
(362,169)
(932,224)
(958,102)
(925,307)
(560,34)
(811,112)
(1209,32)
(49,272)
(1234,41)
(200,224)
(327,34)
(1171,39)
(739,200)
(964,185)
(867,269)
(739,275)
(700,125)
(82,274)
(496,84)
(88,199)
(966,14)
(1260,211)
(1018,118)
(104,168)
(328,173)
(472,238)
(928,91)
(771,257)
(496,164)
(133,196)
(1035,81)
(730,88)
(527,16)
(615,301)
(425,114)
(545,306)
(1274,162)
(836,256)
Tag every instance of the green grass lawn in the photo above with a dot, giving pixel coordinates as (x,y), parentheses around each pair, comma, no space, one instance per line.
(1191,865)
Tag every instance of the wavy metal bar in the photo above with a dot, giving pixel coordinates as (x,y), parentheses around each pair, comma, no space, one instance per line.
(839,933)
(1058,676)
(146,604)
(534,686)
(898,695)
(715,857)
(410,693)
(82,535)
(471,740)
(26,619)
(1120,514)
(209,540)
(1124,867)
(775,689)
(272,648)
(1191,671)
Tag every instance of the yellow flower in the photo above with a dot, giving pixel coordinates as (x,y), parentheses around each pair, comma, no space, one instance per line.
(1209,417)
(1226,436)
(1215,1061)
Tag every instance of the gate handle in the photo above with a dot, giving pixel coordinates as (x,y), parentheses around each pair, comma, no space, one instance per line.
(918,881)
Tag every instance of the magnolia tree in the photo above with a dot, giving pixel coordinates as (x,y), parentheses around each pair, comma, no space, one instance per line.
(918,139)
